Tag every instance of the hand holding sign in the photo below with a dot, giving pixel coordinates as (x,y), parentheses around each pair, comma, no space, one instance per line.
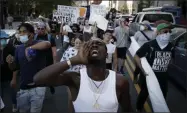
(99,20)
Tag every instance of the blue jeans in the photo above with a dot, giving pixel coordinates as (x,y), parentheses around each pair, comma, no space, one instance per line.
(31,100)
(6,89)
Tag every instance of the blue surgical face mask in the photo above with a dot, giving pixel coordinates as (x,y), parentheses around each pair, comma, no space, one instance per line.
(3,43)
(24,38)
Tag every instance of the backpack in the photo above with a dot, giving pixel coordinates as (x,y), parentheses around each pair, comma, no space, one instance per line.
(49,36)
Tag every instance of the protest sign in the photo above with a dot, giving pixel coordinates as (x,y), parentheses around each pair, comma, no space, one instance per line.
(99,20)
(66,14)
(82,11)
(98,10)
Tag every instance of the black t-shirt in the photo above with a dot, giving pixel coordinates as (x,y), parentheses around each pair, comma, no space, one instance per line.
(158,58)
(49,55)
(54,26)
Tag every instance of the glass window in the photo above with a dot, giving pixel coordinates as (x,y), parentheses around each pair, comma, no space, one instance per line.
(138,18)
(152,18)
(182,41)
(134,18)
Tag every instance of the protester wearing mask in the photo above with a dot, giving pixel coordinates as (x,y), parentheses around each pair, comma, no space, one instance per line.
(8,48)
(51,54)
(158,52)
(122,34)
(144,35)
(111,60)
(72,51)
(87,27)
(29,59)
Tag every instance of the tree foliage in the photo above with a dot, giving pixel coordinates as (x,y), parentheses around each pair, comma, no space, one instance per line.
(20,7)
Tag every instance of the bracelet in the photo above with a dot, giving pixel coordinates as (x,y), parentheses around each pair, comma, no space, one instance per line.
(69,63)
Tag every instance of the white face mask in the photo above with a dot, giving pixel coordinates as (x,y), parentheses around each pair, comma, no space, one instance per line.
(24,38)
(142,28)
(163,39)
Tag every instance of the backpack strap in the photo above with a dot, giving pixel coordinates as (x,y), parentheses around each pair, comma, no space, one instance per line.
(49,37)
(145,35)
(35,36)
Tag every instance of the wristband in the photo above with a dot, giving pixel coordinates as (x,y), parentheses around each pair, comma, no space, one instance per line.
(69,63)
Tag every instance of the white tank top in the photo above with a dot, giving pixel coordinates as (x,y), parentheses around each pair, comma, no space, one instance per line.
(87,96)
(110,50)
(87,30)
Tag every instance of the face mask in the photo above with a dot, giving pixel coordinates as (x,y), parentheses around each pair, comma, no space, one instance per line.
(142,28)
(3,43)
(163,39)
(24,38)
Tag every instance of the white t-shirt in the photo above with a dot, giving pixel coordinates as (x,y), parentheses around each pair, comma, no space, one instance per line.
(69,53)
(110,50)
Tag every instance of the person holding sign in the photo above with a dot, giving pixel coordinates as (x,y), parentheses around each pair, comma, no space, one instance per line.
(144,35)
(158,52)
(97,88)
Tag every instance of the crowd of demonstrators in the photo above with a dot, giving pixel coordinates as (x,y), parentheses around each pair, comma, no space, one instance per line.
(88,65)
(145,34)
(155,51)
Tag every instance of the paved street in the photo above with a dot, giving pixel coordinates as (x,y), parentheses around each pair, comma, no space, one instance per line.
(57,103)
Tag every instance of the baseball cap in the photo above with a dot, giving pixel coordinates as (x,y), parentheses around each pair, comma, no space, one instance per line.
(163,26)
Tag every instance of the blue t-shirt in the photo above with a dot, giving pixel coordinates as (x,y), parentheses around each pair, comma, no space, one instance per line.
(28,68)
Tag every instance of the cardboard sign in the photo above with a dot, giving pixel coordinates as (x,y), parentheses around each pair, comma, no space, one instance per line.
(82,11)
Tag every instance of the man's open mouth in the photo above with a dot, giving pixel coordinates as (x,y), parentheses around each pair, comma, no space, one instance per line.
(94,53)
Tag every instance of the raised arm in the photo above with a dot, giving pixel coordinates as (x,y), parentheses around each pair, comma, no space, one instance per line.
(55,74)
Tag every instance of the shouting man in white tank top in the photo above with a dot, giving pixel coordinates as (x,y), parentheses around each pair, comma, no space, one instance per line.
(95,88)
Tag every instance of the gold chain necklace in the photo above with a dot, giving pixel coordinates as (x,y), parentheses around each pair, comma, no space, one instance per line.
(96,104)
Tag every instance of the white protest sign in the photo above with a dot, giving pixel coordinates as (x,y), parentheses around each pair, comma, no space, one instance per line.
(66,14)
(98,10)
(58,16)
(101,22)
(156,96)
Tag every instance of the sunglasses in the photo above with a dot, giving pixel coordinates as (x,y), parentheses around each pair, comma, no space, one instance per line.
(40,28)
(167,31)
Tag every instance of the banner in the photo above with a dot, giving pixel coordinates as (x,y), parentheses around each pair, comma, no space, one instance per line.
(66,14)
(156,96)
(98,10)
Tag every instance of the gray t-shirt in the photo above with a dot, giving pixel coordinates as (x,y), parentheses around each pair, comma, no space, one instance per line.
(122,35)
(141,39)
